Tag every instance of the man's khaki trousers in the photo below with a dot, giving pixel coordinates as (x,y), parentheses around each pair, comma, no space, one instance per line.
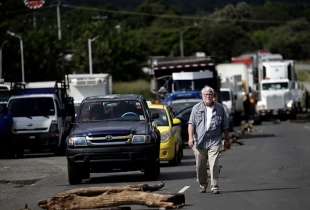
(207,159)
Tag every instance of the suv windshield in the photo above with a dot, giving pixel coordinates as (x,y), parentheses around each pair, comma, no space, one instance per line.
(111,110)
(25,107)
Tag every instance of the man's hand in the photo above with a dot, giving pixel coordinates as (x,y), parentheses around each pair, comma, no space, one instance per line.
(190,142)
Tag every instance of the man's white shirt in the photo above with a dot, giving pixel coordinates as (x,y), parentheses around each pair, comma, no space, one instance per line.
(209,115)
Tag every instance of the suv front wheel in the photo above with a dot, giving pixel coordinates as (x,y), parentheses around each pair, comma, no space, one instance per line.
(152,171)
(73,173)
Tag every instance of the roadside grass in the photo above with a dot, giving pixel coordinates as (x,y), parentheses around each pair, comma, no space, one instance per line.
(141,87)
(303,75)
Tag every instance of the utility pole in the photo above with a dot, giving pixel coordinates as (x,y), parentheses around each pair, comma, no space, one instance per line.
(90,57)
(1,59)
(181,44)
(59,20)
(21,52)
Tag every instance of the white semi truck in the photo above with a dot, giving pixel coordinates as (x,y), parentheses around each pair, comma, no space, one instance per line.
(279,98)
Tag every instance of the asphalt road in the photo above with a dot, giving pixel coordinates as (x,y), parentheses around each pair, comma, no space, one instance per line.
(270,171)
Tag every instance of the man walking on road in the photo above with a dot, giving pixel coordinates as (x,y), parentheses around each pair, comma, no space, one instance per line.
(207,124)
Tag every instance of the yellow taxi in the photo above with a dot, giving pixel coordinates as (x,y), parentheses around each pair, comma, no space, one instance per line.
(171,148)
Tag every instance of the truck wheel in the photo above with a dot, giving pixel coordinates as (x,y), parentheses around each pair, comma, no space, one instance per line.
(152,171)
(73,173)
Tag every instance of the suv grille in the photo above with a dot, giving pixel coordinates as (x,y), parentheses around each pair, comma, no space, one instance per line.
(109,139)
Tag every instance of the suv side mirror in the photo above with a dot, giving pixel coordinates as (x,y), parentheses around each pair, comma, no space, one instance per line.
(154,116)
(176,121)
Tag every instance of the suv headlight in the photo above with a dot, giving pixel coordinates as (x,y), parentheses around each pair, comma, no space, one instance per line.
(77,141)
(141,139)
(165,136)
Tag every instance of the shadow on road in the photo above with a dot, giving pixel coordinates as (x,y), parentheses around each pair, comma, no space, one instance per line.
(260,190)
(119,178)
(139,177)
(252,136)
(174,175)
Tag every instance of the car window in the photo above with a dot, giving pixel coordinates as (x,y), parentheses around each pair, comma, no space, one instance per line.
(178,107)
(130,110)
(162,120)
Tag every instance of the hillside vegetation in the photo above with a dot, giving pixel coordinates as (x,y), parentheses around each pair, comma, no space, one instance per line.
(125,39)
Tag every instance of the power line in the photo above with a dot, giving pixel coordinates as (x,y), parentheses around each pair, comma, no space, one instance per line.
(166,16)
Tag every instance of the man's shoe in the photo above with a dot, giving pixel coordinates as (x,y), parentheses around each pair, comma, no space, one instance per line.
(203,189)
(215,191)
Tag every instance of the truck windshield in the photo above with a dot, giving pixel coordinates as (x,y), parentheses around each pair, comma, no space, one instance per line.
(275,86)
(27,107)
(4,95)
(225,96)
(111,110)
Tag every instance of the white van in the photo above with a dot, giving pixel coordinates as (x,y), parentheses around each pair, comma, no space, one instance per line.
(38,122)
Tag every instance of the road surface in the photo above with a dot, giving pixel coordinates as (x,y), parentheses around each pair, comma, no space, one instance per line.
(270,171)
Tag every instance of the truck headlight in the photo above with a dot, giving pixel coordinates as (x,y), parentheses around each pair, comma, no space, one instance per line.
(260,106)
(141,139)
(290,104)
(165,136)
(77,141)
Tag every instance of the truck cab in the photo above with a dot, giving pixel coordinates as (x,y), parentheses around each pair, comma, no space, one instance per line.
(277,98)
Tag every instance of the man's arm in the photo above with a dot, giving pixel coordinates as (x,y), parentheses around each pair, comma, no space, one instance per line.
(190,135)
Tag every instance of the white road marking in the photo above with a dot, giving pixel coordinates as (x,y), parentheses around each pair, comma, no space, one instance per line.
(184,189)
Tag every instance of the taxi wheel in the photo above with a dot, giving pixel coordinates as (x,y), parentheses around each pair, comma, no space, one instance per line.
(175,159)
(180,154)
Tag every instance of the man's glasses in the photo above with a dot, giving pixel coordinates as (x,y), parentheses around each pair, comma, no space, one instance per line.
(208,94)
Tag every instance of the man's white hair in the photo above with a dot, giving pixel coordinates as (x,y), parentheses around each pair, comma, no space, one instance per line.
(207,89)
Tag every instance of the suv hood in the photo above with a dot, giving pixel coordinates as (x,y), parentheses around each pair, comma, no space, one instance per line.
(109,128)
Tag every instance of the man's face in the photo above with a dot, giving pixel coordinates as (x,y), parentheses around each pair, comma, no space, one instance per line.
(208,98)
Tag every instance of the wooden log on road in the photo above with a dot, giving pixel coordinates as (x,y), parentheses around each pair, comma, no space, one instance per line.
(103,197)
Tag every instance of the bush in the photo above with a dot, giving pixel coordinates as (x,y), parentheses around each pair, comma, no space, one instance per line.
(141,87)
(303,75)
